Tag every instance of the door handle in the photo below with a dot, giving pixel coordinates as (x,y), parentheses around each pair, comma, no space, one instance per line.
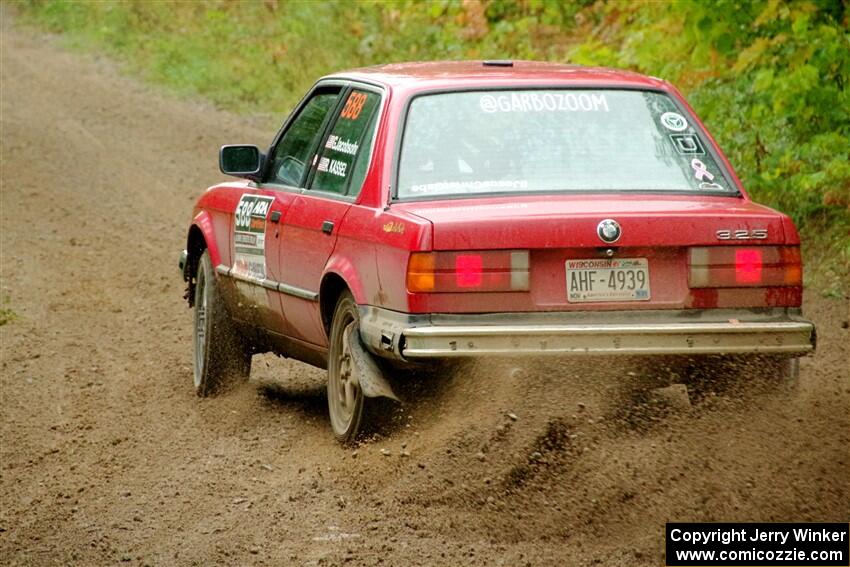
(327,227)
(275,218)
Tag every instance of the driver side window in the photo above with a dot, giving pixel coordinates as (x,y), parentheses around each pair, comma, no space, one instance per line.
(291,157)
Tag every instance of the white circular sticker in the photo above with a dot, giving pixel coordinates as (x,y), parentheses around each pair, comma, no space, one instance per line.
(674,121)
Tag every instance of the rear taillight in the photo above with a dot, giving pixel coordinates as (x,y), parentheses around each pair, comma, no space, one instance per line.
(751,266)
(488,270)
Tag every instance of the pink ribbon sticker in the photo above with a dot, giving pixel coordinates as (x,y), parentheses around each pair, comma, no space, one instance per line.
(701,171)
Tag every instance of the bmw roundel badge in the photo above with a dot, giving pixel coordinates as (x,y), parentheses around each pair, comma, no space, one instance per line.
(608,231)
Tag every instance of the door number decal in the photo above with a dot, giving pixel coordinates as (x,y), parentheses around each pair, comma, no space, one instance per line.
(249,236)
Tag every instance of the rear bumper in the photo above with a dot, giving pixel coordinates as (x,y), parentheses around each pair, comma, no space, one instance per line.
(691,331)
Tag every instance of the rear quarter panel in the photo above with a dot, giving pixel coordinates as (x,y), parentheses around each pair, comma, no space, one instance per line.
(372,251)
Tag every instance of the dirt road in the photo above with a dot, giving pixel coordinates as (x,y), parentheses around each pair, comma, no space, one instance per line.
(108,457)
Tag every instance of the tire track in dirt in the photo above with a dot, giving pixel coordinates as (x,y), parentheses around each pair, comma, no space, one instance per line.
(107,456)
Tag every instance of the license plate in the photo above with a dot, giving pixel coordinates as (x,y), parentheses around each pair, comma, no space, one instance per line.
(610,279)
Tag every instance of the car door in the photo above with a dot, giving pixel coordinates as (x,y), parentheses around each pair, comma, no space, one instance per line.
(260,211)
(336,175)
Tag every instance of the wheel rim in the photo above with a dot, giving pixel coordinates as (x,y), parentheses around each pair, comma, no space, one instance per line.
(200,327)
(343,387)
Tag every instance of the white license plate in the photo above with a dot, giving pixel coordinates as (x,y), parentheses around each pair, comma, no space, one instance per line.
(610,279)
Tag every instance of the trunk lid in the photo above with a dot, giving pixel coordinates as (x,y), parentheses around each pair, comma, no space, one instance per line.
(558,230)
(561,221)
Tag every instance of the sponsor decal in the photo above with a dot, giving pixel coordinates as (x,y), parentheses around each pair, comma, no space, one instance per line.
(711,186)
(245,239)
(333,166)
(687,144)
(337,144)
(395,227)
(546,102)
(468,186)
(249,236)
(353,106)
(510,206)
(701,170)
(674,121)
(337,168)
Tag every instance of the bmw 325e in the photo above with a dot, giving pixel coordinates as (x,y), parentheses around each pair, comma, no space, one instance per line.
(441,210)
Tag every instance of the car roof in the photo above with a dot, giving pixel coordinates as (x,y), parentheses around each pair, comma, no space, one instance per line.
(432,75)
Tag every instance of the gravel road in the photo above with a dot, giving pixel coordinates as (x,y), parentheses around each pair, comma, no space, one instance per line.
(109,458)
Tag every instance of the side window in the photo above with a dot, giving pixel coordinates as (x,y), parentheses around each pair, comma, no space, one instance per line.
(345,156)
(291,156)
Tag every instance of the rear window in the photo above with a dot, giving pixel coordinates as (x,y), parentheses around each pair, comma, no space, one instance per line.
(552,140)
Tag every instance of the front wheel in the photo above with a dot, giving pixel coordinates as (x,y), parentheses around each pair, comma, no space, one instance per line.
(222,356)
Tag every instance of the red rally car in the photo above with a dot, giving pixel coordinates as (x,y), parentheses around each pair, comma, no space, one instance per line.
(480,209)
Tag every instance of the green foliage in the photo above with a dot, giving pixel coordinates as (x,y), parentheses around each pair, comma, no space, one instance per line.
(769,77)
(770,80)
(6,313)
(265,54)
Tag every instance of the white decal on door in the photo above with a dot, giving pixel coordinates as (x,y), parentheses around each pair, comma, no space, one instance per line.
(249,236)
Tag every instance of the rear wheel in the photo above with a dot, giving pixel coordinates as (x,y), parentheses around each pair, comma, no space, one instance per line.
(222,356)
(345,397)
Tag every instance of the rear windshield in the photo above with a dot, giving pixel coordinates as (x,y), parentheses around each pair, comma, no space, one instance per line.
(520,141)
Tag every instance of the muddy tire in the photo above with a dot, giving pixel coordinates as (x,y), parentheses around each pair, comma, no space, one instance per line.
(222,356)
(345,398)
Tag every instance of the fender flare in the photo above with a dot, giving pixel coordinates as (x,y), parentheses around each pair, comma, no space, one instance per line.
(339,272)
(203,222)
(343,268)
(200,237)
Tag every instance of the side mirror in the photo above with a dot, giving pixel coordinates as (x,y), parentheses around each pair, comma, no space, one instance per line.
(241,161)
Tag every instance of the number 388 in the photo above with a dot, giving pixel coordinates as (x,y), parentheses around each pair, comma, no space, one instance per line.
(353,106)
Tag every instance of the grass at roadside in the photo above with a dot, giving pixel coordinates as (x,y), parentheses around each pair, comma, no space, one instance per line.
(7,315)
(244,56)
(827,257)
